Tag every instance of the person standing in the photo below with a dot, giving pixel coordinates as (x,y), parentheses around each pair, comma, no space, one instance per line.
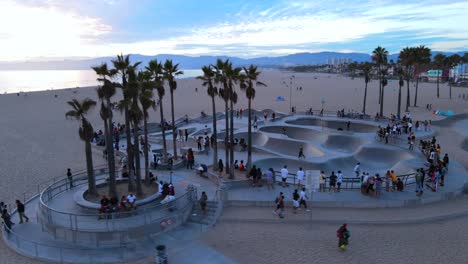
(203,202)
(269,177)
(322,181)
(339,180)
(446,161)
(284,176)
(419,183)
(303,198)
(295,201)
(388,180)
(186,134)
(6,218)
(301,152)
(394,180)
(70,177)
(220,167)
(332,183)
(300,177)
(20,207)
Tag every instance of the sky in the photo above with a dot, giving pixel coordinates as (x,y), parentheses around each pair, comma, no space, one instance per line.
(40,29)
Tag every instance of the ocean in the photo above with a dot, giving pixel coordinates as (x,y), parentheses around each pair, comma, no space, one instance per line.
(37,80)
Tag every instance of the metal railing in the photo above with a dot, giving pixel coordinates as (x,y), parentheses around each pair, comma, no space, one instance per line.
(115,221)
(350,183)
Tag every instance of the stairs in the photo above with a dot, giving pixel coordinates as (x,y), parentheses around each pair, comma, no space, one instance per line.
(196,216)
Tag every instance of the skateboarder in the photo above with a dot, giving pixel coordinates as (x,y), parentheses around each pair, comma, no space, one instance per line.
(301,152)
(343,235)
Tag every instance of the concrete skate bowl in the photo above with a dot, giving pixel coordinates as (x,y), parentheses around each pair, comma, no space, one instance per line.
(343,143)
(261,141)
(464,144)
(382,156)
(355,127)
(298,133)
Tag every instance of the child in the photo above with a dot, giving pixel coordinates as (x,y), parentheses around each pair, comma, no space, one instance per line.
(343,235)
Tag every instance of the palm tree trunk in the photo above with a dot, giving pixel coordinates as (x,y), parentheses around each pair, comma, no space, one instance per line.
(231,140)
(137,158)
(249,137)
(407,95)
(416,94)
(215,135)
(438,84)
(146,148)
(131,178)
(382,100)
(450,86)
(227,145)
(89,167)
(365,98)
(380,90)
(399,102)
(110,154)
(163,129)
(174,143)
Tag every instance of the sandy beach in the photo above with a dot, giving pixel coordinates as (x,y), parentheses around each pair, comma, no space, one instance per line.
(37,142)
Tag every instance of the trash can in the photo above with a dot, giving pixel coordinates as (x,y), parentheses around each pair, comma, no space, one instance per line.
(161,255)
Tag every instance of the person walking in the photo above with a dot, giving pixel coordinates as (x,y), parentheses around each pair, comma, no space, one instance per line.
(378,185)
(301,152)
(394,180)
(388,180)
(279,205)
(203,202)
(6,218)
(300,178)
(284,176)
(220,167)
(70,178)
(295,201)
(357,169)
(190,159)
(419,183)
(303,198)
(20,207)
(343,235)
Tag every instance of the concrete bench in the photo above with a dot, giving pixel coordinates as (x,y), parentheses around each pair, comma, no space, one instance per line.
(79,199)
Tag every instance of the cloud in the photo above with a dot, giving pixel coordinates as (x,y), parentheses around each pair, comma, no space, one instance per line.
(75,28)
(29,31)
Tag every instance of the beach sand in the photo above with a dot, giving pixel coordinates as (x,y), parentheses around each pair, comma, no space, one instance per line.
(37,143)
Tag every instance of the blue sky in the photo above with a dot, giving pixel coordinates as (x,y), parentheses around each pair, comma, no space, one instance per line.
(31,29)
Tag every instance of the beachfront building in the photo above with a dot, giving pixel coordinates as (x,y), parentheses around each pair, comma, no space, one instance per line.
(431,75)
(459,72)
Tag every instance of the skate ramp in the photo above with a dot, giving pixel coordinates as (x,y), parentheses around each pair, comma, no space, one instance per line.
(380,155)
(355,127)
(291,148)
(343,143)
(298,133)
(464,144)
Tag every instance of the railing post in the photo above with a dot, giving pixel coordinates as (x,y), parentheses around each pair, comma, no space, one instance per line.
(35,250)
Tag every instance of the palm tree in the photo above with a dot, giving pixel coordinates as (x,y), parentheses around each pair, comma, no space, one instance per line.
(439,65)
(220,77)
(78,112)
(170,71)
(105,93)
(366,70)
(379,56)
(155,68)
(248,83)
(451,62)
(208,79)
(135,116)
(422,56)
(122,66)
(352,67)
(406,59)
(147,102)
(383,74)
(401,83)
(233,75)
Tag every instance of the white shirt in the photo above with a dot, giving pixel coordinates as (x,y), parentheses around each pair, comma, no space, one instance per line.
(340,177)
(302,195)
(131,198)
(160,187)
(356,169)
(300,175)
(284,173)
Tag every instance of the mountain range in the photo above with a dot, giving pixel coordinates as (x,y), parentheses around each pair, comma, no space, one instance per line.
(189,62)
